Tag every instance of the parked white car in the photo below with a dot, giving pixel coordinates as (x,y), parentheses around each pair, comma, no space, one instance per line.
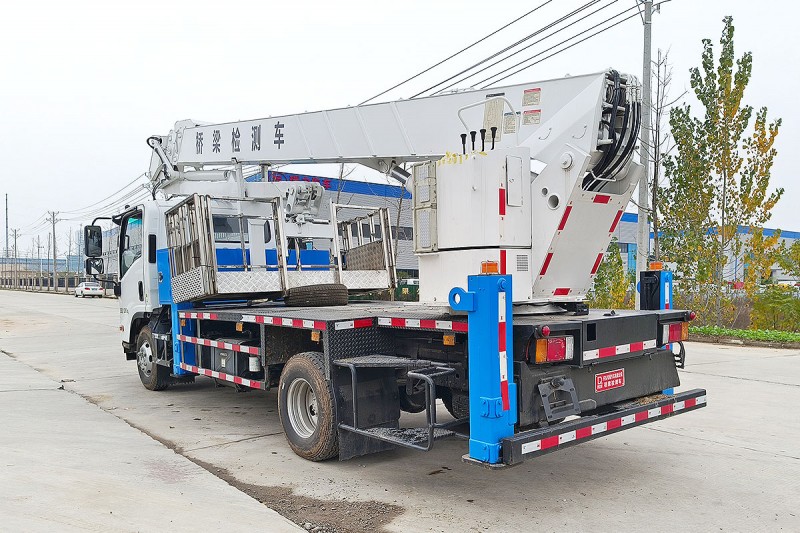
(89,288)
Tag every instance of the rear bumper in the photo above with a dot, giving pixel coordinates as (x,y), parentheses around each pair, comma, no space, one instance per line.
(625,415)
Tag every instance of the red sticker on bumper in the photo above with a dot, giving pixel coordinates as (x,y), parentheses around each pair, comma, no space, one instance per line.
(609,380)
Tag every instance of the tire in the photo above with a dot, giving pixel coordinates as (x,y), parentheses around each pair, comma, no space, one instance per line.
(307,408)
(154,376)
(456,403)
(415,403)
(323,295)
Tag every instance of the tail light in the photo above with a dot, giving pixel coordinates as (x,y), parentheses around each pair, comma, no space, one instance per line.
(675,332)
(554,349)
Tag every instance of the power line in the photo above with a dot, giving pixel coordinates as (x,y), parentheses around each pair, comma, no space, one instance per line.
(558,51)
(134,180)
(507,48)
(537,41)
(457,53)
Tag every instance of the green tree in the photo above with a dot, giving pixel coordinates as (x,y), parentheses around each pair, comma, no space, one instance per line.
(610,287)
(719,177)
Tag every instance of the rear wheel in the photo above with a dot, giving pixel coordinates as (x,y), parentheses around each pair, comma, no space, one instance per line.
(153,376)
(307,409)
(414,402)
(456,402)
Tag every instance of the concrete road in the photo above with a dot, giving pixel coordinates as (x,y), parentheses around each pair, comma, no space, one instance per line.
(734,465)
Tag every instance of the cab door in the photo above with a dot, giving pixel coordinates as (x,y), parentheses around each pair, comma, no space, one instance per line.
(131,272)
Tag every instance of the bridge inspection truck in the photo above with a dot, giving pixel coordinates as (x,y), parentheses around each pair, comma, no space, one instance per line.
(516,192)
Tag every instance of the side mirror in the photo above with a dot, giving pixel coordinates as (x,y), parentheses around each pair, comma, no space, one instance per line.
(94,266)
(93,242)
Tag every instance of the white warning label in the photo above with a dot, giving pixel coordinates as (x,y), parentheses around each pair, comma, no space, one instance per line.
(510,122)
(493,115)
(531,97)
(531,117)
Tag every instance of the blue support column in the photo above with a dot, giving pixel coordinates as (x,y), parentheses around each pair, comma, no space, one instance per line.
(492,391)
(666,302)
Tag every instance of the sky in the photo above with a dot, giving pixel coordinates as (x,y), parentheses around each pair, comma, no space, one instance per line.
(85,83)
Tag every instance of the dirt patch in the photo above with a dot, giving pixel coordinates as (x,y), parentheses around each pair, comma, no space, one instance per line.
(312,514)
(322,516)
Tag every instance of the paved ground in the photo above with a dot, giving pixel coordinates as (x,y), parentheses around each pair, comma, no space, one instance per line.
(734,465)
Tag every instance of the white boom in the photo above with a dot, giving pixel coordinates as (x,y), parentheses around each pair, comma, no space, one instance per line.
(542,198)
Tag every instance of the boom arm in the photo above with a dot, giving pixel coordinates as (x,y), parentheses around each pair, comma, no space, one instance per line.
(382,135)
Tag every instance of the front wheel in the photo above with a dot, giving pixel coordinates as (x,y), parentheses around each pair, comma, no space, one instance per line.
(153,375)
(307,408)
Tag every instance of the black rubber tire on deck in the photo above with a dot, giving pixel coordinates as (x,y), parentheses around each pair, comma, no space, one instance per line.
(323,443)
(159,376)
(322,295)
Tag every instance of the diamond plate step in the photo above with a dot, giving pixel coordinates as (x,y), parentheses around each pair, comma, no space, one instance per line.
(407,436)
(384,361)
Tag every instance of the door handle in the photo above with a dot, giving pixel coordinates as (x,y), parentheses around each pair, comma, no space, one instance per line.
(141,291)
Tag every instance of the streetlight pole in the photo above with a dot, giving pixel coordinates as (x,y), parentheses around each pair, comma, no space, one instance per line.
(643,226)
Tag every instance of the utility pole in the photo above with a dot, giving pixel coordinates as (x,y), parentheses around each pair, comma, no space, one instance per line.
(643,228)
(52,219)
(6,254)
(15,267)
(48,253)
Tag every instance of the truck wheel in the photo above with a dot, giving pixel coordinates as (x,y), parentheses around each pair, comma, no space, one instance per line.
(153,376)
(323,295)
(414,403)
(456,402)
(307,408)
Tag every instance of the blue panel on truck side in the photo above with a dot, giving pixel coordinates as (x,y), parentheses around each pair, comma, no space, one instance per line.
(164,277)
(492,391)
(165,298)
(230,259)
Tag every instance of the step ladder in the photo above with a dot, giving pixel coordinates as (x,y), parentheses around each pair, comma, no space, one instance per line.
(428,372)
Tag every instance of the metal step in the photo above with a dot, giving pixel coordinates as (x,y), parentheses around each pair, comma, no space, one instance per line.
(383,361)
(407,437)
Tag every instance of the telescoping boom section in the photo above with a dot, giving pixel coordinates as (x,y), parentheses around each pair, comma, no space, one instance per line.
(516,192)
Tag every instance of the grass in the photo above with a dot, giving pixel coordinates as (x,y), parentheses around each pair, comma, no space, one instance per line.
(765,335)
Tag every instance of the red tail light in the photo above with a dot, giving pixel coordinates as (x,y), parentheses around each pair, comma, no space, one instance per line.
(554,349)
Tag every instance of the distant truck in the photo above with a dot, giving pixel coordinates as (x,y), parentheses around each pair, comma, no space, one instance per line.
(516,192)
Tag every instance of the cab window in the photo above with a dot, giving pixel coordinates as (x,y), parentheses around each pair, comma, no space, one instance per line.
(130,243)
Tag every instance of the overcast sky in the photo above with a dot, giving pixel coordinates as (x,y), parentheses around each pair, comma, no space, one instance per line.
(85,83)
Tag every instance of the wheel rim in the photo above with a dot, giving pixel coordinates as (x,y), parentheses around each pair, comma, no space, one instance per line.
(301,406)
(145,358)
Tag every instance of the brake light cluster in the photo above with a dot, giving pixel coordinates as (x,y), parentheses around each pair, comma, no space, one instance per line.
(552,349)
(675,332)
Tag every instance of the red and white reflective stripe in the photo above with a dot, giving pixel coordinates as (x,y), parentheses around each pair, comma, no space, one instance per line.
(252,383)
(562,291)
(502,261)
(614,423)
(502,206)
(285,322)
(201,316)
(546,264)
(444,325)
(616,221)
(253,350)
(501,347)
(564,217)
(611,351)
(354,324)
